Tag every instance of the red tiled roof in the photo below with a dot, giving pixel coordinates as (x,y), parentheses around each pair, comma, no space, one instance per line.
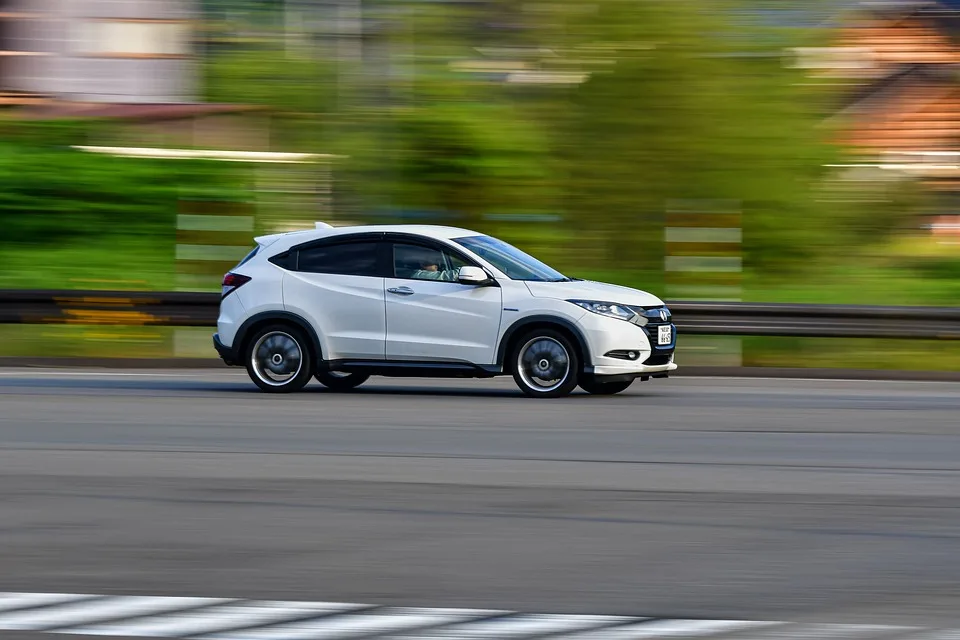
(923,118)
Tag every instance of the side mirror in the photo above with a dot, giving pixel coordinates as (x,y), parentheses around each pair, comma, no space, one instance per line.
(472,275)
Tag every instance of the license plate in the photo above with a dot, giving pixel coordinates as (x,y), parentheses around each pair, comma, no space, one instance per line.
(665,335)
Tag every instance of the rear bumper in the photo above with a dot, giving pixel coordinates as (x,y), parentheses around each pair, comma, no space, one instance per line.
(226,353)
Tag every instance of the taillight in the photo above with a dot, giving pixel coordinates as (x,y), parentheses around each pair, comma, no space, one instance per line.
(232,282)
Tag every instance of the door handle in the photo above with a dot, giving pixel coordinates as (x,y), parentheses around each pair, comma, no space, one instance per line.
(401,291)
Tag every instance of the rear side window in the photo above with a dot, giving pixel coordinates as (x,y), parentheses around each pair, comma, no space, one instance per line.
(248,257)
(285,260)
(349,259)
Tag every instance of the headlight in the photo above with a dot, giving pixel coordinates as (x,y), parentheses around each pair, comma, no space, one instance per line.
(609,309)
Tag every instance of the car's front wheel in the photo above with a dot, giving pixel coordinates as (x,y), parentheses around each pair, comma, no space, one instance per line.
(545,364)
(341,381)
(600,388)
(278,359)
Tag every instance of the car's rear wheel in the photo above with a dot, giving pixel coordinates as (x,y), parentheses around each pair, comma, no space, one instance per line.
(278,359)
(545,364)
(340,380)
(600,388)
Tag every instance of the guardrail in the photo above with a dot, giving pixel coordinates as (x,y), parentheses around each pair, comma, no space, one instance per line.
(693,318)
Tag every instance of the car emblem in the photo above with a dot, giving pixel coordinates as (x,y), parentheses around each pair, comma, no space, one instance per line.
(663,314)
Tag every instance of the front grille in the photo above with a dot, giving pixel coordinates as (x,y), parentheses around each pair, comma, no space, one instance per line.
(652,331)
(652,314)
(658,359)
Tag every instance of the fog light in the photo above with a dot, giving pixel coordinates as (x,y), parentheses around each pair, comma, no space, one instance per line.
(623,354)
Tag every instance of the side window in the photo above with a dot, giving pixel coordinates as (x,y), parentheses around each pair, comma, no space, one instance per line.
(416,262)
(348,259)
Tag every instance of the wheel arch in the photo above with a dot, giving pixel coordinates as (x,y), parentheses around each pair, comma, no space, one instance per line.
(250,326)
(513,334)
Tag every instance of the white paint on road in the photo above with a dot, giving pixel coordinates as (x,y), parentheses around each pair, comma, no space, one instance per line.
(186,624)
(358,625)
(519,626)
(10,601)
(230,619)
(669,629)
(87,611)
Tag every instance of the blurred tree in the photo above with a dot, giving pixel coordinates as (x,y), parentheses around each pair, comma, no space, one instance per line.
(301,89)
(429,138)
(681,111)
(684,100)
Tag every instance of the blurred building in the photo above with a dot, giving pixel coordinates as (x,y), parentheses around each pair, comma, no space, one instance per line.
(133,62)
(909,97)
(124,51)
(898,62)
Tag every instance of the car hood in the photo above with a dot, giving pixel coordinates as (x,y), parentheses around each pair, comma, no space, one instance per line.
(599,291)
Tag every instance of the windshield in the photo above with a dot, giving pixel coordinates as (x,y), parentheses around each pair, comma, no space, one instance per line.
(516,264)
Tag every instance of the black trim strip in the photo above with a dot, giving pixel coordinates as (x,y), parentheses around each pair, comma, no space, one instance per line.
(414,369)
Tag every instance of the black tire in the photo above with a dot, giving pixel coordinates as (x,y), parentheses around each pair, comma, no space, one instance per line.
(592,386)
(549,353)
(336,381)
(278,359)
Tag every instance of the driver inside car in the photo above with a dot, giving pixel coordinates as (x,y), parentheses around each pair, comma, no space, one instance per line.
(430,270)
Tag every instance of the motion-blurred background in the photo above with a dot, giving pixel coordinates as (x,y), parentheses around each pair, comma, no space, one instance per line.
(737,150)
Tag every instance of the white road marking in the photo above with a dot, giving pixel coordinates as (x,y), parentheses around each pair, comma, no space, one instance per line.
(230,619)
(521,626)
(350,626)
(212,620)
(669,629)
(10,601)
(84,612)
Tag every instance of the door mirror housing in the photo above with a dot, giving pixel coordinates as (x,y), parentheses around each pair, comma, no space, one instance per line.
(473,275)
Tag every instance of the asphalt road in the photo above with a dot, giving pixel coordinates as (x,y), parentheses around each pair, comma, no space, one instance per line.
(755,499)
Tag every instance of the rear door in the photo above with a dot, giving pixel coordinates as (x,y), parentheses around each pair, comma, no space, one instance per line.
(430,316)
(337,285)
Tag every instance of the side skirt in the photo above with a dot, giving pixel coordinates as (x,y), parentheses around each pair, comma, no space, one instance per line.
(408,369)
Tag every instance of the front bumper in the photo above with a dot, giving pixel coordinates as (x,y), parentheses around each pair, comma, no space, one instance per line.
(226,353)
(608,337)
(634,370)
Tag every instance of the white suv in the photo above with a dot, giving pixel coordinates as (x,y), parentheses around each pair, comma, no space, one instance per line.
(342,304)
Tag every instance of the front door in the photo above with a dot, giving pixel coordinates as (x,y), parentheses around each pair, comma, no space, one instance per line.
(433,318)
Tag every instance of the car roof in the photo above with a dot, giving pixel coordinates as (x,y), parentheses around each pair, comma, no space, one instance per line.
(292,238)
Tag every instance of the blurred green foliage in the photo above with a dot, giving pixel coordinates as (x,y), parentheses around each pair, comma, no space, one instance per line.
(682,100)
(51,194)
(679,104)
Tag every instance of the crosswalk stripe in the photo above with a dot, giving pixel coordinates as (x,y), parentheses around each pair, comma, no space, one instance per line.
(11,601)
(361,624)
(192,618)
(85,612)
(521,626)
(211,620)
(669,629)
